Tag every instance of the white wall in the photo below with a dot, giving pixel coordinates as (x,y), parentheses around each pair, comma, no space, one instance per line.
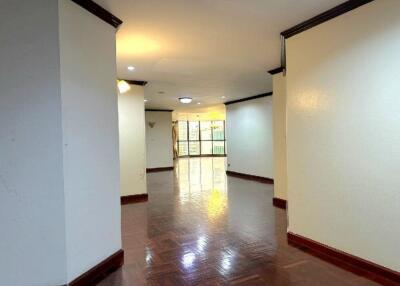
(59,177)
(343,137)
(159,139)
(90,138)
(32,240)
(132,141)
(249,137)
(279,135)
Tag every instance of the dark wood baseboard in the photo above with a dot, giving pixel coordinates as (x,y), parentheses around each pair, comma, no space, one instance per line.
(279,203)
(100,271)
(250,177)
(346,261)
(162,169)
(202,156)
(134,199)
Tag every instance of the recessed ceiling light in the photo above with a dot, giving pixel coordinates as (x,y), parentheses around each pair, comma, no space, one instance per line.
(131,68)
(198,102)
(222,96)
(146,100)
(185,100)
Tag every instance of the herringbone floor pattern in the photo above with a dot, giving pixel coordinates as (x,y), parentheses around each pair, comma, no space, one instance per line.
(202,228)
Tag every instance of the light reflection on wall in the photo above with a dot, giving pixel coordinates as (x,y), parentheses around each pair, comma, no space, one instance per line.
(311,100)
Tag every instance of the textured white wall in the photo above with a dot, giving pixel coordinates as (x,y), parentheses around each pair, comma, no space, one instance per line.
(279,120)
(32,240)
(90,138)
(132,141)
(249,137)
(343,137)
(159,139)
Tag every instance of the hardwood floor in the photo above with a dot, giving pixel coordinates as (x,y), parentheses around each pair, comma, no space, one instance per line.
(201,228)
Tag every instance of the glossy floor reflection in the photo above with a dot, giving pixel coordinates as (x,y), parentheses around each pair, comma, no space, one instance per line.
(202,228)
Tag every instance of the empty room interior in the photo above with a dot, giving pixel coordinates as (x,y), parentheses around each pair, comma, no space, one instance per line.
(187,142)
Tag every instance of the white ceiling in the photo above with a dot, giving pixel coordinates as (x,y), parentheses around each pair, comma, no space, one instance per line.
(204,49)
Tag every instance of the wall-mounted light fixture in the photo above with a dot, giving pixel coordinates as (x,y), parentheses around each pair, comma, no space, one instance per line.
(123,86)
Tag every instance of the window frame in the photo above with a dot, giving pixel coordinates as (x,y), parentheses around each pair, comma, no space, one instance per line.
(200,141)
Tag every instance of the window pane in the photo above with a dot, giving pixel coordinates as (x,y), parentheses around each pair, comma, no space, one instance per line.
(183,148)
(206,147)
(218,130)
(205,130)
(182,131)
(218,148)
(193,130)
(194,148)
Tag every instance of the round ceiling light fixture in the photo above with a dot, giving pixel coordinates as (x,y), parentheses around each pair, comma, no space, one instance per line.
(131,68)
(185,100)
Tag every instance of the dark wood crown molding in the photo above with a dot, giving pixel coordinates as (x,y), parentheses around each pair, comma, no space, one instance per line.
(346,261)
(323,17)
(135,82)
(276,71)
(99,11)
(100,271)
(159,110)
(249,98)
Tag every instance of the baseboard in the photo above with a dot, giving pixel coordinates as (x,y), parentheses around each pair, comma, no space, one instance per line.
(250,177)
(153,170)
(346,261)
(100,271)
(134,199)
(279,203)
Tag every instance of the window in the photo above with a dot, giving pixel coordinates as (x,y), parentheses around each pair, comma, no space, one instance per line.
(196,138)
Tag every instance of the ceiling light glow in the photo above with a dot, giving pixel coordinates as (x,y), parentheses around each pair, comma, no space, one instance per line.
(185,100)
(137,45)
(131,68)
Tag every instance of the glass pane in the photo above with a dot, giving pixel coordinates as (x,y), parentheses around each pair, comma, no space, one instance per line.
(182,130)
(218,148)
(193,130)
(205,127)
(183,148)
(194,148)
(206,147)
(218,130)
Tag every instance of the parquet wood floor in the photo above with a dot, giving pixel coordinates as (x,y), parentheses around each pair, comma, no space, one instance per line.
(201,228)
